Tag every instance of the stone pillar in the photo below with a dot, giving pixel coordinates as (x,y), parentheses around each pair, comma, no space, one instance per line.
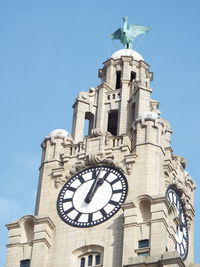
(101,112)
(110,73)
(78,121)
(125,95)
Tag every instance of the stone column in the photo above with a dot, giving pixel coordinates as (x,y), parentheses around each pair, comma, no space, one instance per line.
(78,121)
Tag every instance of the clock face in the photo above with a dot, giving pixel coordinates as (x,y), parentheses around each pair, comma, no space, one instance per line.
(92,196)
(181,232)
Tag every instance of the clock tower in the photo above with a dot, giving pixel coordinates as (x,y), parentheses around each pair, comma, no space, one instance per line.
(117,196)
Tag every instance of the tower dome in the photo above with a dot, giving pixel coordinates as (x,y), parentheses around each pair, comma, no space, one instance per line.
(127,52)
(60,132)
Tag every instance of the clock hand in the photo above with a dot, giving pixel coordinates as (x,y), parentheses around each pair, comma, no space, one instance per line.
(97,182)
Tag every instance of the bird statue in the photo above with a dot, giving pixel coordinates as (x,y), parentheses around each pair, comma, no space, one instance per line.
(128,33)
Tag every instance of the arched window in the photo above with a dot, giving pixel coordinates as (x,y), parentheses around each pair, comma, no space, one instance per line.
(92,259)
(89,256)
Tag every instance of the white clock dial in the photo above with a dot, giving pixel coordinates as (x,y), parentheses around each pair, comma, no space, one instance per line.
(92,196)
(181,232)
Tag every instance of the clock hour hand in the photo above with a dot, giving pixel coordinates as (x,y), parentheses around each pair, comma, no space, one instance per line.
(97,182)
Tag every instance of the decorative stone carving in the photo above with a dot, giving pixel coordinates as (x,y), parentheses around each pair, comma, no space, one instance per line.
(125,165)
(100,158)
(97,132)
(85,96)
(189,182)
(57,175)
(148,116)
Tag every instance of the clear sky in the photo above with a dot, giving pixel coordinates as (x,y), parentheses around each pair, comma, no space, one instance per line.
(51,50)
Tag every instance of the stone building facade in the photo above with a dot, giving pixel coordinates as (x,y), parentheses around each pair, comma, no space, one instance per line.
(116,196)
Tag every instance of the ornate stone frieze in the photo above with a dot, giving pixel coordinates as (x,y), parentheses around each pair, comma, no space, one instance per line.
(96,159)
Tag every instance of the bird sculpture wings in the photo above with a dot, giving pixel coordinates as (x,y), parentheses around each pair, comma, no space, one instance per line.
(128,33)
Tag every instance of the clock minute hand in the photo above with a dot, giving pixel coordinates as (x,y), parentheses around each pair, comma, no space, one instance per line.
(98,181)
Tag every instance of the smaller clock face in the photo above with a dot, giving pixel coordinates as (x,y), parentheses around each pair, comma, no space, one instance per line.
(182,232)
(92,196)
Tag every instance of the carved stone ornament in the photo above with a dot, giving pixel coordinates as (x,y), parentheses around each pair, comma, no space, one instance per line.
(97,132)
(57,175)
(85,96)
(143,117)
(102,158)
(125,168)
(148,116)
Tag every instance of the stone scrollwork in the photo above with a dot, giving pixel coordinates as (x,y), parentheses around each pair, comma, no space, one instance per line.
(85,96)
(102,158)
(92,159)
(97,132)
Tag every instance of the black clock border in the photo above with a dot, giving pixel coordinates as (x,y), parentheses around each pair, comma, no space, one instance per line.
(107,217)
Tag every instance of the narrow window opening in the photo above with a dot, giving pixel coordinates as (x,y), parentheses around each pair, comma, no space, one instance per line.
(133,76)
(143,243)
(118,79)
(113,122)
(97,260)
(108,97)
(82,262)
(89,123)
(86,127)
(90,260)
(113,96)
(25,263)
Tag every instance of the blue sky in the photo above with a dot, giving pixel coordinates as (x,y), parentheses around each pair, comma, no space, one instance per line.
(51,50)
